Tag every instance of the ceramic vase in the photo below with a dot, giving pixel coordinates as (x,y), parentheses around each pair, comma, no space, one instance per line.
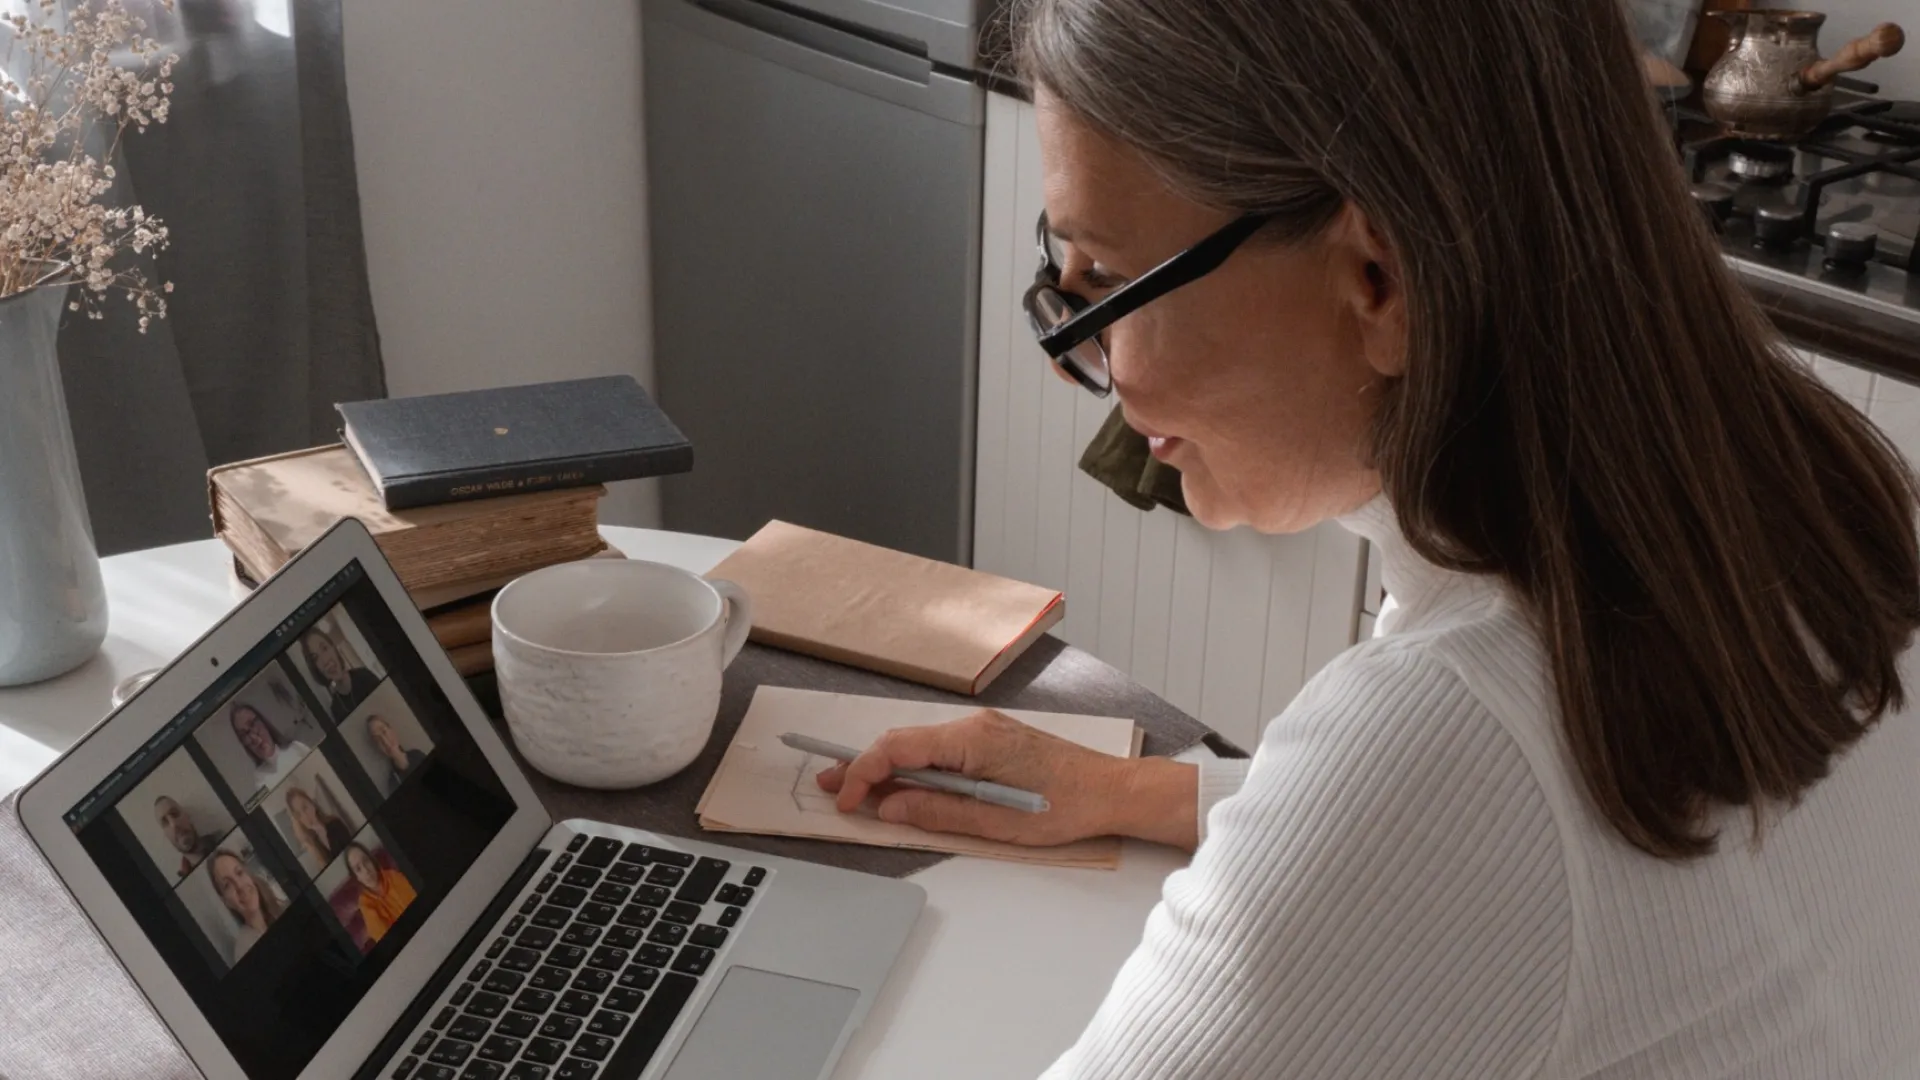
(53,607)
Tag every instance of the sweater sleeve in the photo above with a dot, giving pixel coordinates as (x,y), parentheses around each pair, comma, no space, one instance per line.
(1219,778)
(1384,897)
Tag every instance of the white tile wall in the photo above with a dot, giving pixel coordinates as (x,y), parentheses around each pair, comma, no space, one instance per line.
(1849,382)
(1898,76)
(1890,403)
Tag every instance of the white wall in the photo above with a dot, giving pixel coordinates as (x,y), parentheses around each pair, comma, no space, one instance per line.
(1848,19)
(499,147)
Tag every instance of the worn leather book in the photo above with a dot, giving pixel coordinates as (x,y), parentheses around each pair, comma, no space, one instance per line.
(480,444)
(885,610)
(268,509)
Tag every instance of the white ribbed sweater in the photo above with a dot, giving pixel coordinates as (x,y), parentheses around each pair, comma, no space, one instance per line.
(1409,881)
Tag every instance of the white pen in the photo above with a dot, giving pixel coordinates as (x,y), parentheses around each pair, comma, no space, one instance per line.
(985,790)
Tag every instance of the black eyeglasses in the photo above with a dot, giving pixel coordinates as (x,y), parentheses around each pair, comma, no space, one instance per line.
(1069,328)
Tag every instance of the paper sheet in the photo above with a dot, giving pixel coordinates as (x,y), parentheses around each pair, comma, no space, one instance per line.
(764,786)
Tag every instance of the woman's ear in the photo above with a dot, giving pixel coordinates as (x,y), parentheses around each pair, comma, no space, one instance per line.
(1367,280)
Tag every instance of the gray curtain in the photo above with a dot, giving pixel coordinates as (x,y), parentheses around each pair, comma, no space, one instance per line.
(270,319)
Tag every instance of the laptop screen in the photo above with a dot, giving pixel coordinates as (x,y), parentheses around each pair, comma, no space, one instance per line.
(283,837)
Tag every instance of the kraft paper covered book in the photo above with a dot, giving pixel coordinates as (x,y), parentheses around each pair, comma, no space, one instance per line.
(764,786)
(887,611)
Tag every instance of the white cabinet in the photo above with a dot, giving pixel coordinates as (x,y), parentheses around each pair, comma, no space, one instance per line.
(1227,626)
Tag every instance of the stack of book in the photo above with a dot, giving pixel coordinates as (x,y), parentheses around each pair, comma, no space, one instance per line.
(462,492)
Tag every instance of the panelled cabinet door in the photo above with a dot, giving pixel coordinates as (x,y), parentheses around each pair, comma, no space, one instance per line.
(1227,626)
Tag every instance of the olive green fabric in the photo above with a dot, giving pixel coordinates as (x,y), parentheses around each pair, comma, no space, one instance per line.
(1118,458)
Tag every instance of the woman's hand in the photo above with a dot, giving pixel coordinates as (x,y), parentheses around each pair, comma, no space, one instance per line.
(1091,793)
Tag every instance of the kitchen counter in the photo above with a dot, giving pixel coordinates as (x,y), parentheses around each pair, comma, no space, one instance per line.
(1868,339)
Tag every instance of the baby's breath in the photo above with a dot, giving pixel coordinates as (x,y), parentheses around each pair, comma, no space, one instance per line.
(91,75)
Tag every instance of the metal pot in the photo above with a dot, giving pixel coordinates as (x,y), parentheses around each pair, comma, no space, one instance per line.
(1772,84)
(1712,37)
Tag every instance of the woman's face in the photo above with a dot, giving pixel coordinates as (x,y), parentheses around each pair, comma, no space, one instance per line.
(383,737)
(326,658)
(236,886)
(302,809)
(361,866)
(1259,380)
(253,734)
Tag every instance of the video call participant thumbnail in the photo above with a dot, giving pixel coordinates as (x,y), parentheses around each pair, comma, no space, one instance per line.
(321,833)
(385,892)
(186,838)
(367,889)
(274,755)
(315,812)
(252,902)
(175,816)
(397,758)
(345,682)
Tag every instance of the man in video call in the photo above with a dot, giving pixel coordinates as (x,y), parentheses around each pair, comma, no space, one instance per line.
(187,840)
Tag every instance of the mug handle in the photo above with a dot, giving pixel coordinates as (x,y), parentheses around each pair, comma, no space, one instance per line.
(739,619)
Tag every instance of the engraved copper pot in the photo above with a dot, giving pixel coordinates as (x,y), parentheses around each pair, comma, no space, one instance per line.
(1772,83)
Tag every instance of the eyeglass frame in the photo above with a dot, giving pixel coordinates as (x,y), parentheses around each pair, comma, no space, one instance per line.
(1090,320)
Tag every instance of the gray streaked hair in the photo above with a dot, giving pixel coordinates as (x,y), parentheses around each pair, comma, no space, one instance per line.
(1592,408)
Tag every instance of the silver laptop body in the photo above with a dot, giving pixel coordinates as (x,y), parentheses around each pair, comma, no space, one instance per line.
(315,856)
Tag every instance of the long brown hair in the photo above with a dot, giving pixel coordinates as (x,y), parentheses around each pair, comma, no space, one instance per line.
(1719,553)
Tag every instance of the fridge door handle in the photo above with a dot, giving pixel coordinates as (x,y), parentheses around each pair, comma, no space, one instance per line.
(907,60)
(829,53)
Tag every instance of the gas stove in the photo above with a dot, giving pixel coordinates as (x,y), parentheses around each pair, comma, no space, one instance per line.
(1823,230)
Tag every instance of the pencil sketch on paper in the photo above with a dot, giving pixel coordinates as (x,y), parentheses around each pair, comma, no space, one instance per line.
(807,796)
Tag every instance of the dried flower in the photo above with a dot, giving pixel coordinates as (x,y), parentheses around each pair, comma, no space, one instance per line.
(91,73)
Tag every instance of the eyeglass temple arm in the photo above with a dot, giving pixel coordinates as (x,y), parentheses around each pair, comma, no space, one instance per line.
(1183,268)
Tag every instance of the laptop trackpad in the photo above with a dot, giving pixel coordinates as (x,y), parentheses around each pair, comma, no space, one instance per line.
(763,1026)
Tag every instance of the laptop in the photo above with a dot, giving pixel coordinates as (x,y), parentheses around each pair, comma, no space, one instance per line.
(314,855)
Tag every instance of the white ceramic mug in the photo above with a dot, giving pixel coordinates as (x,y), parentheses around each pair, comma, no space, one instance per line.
(609,669)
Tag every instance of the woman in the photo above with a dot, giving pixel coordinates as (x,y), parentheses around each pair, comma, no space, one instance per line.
(252,902)
(384,894)
(321,835)
(274,755)
(347,684)
(1620,788)
(399,760)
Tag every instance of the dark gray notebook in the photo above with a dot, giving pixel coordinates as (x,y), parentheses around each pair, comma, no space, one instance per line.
(479,444)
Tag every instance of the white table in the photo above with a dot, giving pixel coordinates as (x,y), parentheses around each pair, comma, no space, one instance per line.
(1005,968)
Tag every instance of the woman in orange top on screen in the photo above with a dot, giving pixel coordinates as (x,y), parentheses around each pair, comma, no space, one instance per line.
(384,894)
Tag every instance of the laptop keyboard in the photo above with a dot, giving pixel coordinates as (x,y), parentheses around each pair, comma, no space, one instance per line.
(585,979)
